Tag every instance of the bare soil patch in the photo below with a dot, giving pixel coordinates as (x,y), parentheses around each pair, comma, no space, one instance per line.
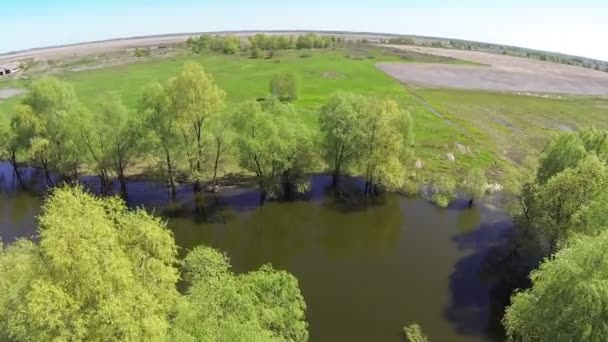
(502,73)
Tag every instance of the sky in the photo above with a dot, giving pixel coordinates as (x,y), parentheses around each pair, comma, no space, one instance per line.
(572,27)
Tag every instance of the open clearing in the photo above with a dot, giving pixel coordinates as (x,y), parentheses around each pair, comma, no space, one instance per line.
(498,73)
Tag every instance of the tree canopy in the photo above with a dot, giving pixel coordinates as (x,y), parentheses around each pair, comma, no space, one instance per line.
(569,296)
(103,272)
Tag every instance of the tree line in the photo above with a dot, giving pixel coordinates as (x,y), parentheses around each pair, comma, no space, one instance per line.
(229,44)
(182,129)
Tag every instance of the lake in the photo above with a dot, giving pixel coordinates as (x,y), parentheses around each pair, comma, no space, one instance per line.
(364,270)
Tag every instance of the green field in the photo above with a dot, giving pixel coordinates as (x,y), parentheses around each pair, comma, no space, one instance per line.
(496,130)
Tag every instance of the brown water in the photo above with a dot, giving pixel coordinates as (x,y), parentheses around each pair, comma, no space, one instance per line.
(364,272)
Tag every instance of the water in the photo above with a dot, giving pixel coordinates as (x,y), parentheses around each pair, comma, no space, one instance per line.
(364,272)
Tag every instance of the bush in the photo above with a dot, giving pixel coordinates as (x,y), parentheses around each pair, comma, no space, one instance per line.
(443,191)
(410,188)
(256,53)
(141,52)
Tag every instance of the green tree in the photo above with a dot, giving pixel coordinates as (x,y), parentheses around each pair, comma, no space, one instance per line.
(385,145)
(340,123)
(222,142)
(100,272)
(195,99)
(52,109)
(262,305)
(15,138)
(413,333)
(473,185)
(568,298)
(122,135)
(552,206)
(285,86)
(272,143)
(161,122)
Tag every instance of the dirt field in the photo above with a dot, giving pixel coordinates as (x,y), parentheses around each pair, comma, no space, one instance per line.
(500,73)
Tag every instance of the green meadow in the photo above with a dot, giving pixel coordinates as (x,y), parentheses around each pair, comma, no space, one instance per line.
(496,131)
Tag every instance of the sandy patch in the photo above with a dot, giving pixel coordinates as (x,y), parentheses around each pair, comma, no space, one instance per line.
(502,73)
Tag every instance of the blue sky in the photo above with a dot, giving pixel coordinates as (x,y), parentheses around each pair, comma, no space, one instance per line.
(575,27)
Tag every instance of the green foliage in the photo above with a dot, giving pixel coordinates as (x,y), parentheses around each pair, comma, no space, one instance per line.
(49,118)
(565,197)
(256,53)
(219,44)
(195,98)
(285,86)
(443,191)
(262,305)
(385,144)
(100,272)
(553,205)
(272,142)
(141,52)
(413,333)
(474,183)
(568,298)
(311,40)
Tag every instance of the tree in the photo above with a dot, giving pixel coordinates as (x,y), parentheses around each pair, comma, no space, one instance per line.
(339,120)
(568,298)
(555,204)
(385,145)
(413,333)
(272,143)
(51,108)
(222,142)
(562,152)
(285,86)
(15,138)
(195,98)
(155,108)
(473,185)
(261,305)
(100,272)
(122,135)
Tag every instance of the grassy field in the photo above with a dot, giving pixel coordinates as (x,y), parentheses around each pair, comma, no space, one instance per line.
(493,130)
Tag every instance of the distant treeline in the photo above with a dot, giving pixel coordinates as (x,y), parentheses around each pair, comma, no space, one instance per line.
(232,44)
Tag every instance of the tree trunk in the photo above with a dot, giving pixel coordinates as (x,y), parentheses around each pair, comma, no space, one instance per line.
(123,185)
(262,197)
(471,203)
(47,174)
(16,171)
(196,190)
(217,161)
(287,186)
(336,178)
(170,176)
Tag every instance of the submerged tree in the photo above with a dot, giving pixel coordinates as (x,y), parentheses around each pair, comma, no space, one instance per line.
(385,145)
(272,143)
(568,298)
(52,109)
(195,99)
(161,122)
(339,120)
(473,185)
(122,135)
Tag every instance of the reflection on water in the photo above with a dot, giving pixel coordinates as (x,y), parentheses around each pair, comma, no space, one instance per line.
(364,270)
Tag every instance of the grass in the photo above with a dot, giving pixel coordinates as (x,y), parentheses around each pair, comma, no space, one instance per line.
(497,130)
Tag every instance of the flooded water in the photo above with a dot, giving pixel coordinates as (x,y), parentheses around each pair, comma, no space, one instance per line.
(364,272)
